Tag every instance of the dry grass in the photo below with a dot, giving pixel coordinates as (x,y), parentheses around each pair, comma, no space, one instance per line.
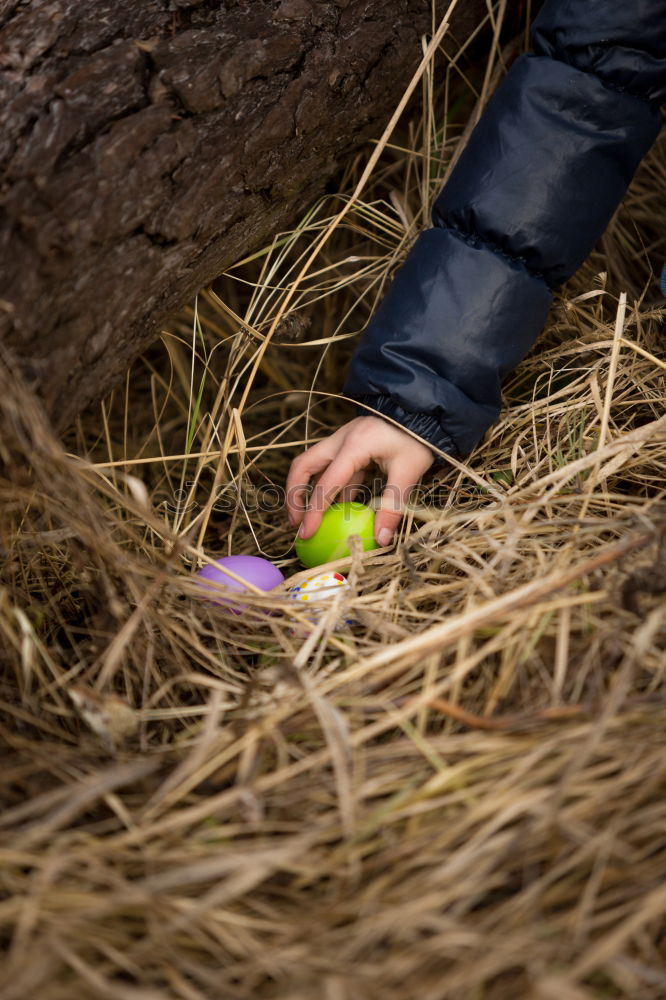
(462,796)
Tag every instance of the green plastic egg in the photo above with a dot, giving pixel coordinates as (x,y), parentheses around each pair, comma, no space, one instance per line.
(329,541)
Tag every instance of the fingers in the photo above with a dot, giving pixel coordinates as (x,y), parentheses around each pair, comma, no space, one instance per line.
(339,474)
(302,469)
(339,461)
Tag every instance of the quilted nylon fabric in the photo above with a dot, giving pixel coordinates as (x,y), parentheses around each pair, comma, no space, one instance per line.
(535,187)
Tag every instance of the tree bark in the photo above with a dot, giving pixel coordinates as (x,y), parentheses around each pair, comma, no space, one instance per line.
(145,145)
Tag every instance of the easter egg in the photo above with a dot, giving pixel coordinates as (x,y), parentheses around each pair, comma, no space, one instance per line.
(321,587)
(329,541)
(256,571)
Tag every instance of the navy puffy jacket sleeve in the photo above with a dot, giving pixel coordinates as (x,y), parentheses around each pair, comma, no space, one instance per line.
(536,185)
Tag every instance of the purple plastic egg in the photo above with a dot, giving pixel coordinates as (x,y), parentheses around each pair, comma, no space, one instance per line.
(257,571)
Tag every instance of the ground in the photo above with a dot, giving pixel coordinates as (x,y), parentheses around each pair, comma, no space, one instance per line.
(459,796)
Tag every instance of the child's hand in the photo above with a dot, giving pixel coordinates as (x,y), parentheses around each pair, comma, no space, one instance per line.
(340,460)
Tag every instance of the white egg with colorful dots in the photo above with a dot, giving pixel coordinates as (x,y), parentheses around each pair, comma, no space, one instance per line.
(321,587)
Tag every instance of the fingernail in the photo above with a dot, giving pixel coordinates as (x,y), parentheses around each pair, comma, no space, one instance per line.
(384,537)
(301,530)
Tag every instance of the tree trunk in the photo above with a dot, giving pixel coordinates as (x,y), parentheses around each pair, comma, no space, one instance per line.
(146,145)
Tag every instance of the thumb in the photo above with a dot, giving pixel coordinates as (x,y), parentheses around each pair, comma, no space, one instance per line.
(400,482)
(385,524)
